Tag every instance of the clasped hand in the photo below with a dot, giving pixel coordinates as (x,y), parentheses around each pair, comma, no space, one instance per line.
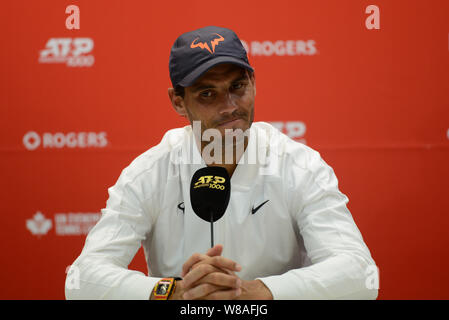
(209,276)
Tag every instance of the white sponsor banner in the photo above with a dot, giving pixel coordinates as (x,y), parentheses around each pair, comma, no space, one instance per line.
(280,48)
(65,224)
(33,140)
(74,224)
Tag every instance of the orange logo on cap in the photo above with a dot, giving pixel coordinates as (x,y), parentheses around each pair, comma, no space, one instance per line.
(204,45)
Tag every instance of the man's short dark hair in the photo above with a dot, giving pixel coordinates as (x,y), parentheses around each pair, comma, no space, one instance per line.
(179,91)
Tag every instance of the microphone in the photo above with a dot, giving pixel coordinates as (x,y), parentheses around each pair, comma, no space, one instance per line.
(210,190)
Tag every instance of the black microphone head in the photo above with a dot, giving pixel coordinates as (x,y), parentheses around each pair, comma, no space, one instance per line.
(210,190)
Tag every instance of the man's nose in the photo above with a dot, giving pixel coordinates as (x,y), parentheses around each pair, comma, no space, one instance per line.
(228,104)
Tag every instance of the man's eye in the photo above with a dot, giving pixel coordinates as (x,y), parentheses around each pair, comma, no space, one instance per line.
(206,94)
(239,85)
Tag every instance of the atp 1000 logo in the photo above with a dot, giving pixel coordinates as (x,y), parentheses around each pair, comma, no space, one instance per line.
(72,52)
(214,182)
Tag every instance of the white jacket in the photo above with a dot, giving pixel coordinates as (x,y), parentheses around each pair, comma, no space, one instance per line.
(302,242)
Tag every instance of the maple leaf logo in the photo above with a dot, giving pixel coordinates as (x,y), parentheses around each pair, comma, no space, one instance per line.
(39,225)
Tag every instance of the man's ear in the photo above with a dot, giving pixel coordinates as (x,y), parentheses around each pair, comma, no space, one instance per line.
(177,103)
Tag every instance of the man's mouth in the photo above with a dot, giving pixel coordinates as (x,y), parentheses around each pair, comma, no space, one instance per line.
(230,122)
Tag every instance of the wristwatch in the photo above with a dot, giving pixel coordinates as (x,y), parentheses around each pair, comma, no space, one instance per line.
(165,288)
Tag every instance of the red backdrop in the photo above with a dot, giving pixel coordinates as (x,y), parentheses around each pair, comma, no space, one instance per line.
(373,102)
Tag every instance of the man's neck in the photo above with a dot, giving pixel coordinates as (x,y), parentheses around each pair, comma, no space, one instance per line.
(230,168)
(237,153)
(225,152)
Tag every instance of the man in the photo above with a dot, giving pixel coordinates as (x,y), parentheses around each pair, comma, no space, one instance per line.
(286,233)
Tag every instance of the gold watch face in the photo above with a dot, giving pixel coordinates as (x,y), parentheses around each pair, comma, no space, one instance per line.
(162,289)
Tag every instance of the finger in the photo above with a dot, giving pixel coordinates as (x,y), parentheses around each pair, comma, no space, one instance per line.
(215,250)
(206,273)
(221,279)
(194,259)
(224,294)
(197,257)
(218,264)
(197,273)
(209,291)
(200,291)
(221,263)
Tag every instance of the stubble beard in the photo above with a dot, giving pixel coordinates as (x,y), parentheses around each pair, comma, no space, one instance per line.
(219,148)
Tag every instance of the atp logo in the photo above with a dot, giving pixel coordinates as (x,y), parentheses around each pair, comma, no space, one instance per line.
(206,181)
(72,52)
(295,130)
(204,45)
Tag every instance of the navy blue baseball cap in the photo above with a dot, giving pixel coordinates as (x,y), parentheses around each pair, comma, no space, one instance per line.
(195,52)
